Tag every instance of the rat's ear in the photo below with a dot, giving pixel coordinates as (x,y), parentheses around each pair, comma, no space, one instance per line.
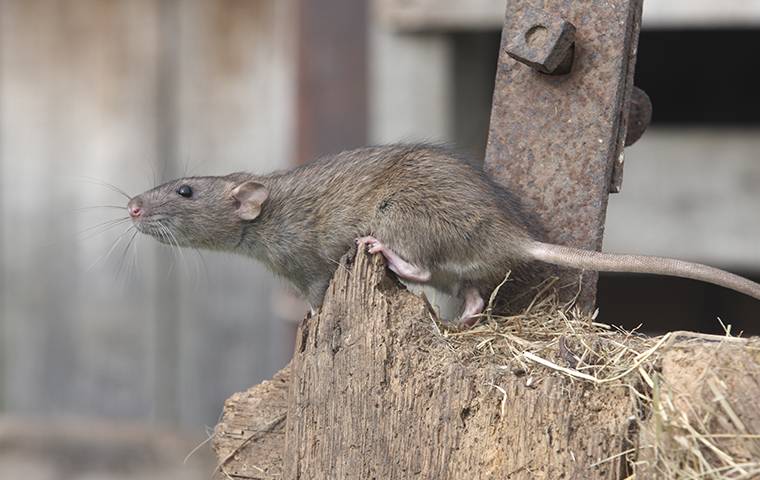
(249,196)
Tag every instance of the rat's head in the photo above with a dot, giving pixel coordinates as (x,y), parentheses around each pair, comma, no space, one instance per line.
(200,212)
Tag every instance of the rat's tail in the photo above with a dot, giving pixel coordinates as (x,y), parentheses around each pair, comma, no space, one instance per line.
(611,262)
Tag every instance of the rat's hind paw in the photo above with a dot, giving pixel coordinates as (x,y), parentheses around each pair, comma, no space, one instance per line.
(396,264)
(373,244)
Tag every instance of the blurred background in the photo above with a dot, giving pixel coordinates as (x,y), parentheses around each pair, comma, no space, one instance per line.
(115,362)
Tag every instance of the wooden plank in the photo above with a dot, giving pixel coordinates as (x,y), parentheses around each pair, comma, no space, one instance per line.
(687,216)
(373,394)
(411,87)
(418,15)
(133,92)
(332,76)
(77,88)
(235,94)
(253,424)
(441,14)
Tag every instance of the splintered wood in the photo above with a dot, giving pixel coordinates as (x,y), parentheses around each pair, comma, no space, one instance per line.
(377,392)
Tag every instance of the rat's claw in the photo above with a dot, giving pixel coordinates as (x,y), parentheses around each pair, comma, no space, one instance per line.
(473,307)
(395,263)
(372,243)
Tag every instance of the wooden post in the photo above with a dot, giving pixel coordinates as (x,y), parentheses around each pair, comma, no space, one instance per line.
(332,77)
(375,391)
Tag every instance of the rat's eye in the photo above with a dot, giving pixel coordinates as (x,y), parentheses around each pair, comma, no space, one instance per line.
(185,191)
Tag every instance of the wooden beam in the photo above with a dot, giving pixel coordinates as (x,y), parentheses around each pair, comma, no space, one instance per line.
(427,15)
(332,77)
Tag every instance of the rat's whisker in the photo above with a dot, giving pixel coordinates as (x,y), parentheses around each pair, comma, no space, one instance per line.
(160,232)
(110,186)
(166,239)
(200,262)
(165,236)
(108,253)
(135,264)
(203,263)
(95,207)
(100,228)
(179,249)
(125,252)
(174,246)
(132,266)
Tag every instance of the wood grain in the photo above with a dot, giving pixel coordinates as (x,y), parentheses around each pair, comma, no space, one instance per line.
(375,393)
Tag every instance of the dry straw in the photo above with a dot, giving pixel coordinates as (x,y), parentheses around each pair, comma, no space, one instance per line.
(687,428)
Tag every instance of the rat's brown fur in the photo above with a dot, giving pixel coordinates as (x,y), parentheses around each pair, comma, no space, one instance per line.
(424,203)
(429,206)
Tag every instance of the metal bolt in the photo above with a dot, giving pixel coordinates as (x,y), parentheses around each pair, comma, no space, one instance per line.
(639,115)
(543,41)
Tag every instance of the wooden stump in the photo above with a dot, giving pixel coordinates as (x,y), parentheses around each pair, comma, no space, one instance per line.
(375,391)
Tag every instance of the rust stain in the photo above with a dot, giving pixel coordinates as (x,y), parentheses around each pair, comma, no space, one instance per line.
(555,139)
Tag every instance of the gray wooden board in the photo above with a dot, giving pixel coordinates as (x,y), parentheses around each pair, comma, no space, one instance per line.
(418,15)
(82,90)
(76,89)
(228,336)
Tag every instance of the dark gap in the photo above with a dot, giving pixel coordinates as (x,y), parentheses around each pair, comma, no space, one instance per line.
(474,71)
(662,304)
(701,76)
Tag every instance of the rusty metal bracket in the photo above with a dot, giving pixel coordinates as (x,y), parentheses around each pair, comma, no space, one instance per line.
(557,140)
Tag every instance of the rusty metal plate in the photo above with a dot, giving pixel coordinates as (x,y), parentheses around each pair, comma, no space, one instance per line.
(555,140)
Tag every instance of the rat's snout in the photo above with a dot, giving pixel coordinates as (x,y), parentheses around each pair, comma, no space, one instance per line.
(135,207)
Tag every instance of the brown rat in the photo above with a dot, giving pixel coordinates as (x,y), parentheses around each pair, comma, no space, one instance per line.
(435,218)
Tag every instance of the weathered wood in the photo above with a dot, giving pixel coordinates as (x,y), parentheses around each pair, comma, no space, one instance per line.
(235,67)
(131,93)
(76,91)
(388,401)
(250,439)
(375,392)
(332,77)
(441,14)
(436,15)
(705,415)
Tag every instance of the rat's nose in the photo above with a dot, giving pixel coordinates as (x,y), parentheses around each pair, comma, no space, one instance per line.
(134,207)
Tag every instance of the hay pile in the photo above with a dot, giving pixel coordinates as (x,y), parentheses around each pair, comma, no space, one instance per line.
(695,397)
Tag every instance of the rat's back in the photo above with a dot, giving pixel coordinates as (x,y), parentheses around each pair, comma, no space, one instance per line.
(428,204)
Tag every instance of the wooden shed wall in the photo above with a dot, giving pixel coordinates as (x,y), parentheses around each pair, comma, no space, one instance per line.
(131,93)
